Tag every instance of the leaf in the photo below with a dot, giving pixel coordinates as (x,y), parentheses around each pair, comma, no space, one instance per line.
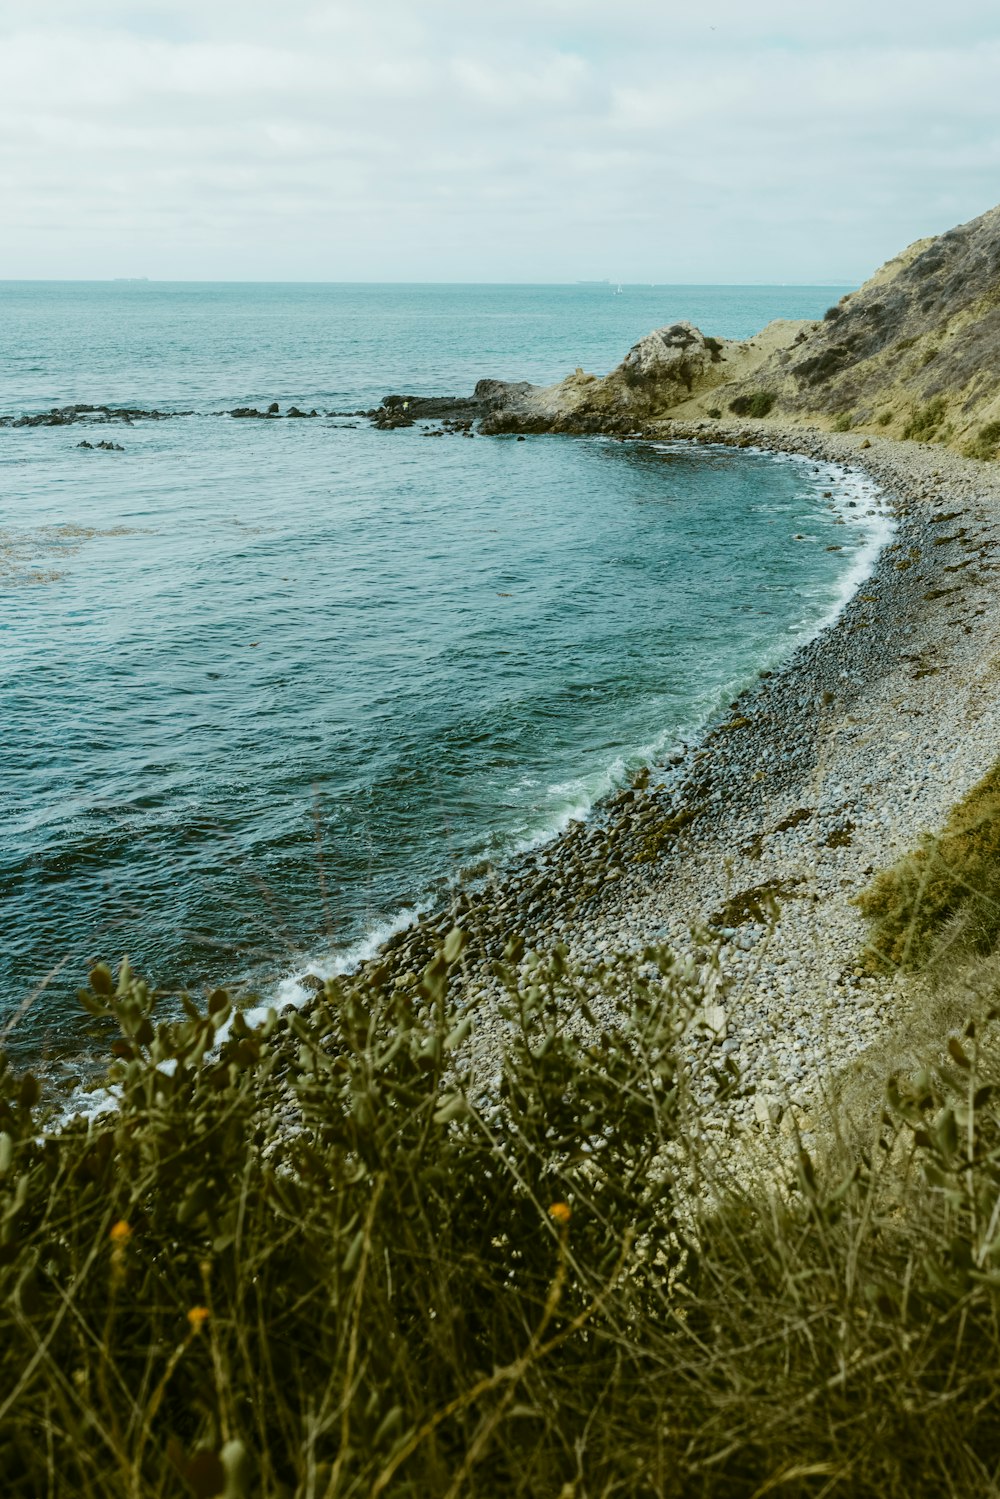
(101,981)
(91,1004)
(946,1132)
(957,1053)
(353,1254)
(454,944)
(451,1108)
(458,1035)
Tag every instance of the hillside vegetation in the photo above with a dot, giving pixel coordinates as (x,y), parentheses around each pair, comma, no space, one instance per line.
(914,354)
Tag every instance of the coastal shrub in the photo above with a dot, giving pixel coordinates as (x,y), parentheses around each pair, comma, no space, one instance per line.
(843,422)
(327,1257)
(321,1258)
(832,313)
(947,891)
(925,422)
(758,404)
(324,1242)
(821,367)
(985,443)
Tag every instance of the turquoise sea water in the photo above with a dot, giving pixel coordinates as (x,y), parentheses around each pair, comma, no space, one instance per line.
(266,686)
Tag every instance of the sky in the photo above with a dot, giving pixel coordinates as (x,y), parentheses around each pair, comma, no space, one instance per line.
(427,140)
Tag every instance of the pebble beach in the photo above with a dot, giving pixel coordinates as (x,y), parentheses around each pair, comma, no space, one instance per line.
(757,838)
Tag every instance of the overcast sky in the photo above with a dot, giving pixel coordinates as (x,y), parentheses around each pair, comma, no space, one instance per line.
(726,140)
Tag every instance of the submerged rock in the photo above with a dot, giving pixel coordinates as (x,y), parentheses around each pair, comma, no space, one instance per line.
(65,416)
(406,411)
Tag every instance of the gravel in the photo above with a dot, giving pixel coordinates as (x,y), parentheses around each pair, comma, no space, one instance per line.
(820,774)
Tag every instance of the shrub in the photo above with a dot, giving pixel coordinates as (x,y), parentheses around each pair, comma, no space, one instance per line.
(985,443)
(843,422)
(925,421)
(320,1258)
(325,1241)
(758,404)
(951,881)
(822,367)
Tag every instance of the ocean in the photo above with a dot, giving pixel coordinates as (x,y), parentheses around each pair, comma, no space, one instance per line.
(269,688)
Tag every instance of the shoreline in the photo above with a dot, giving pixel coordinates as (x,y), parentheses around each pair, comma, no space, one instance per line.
(395,927)
(828,770)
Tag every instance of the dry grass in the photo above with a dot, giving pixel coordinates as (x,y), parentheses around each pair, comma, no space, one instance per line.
(944,895)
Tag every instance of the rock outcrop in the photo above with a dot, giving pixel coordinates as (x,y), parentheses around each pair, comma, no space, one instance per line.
(915,353)
(665,367)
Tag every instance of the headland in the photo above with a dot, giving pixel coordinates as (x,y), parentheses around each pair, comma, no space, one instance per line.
(746,854)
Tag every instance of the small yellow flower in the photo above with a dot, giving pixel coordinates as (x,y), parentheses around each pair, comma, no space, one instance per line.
(561,1213)
(198,1316)
(120,1232)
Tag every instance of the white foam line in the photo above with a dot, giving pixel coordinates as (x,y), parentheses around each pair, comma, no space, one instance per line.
(291,992)
(848,484)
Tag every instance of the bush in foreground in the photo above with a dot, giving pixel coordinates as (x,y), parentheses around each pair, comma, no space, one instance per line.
(322,1258)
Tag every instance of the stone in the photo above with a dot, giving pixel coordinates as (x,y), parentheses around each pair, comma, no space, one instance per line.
(766,1109)
(715,1022)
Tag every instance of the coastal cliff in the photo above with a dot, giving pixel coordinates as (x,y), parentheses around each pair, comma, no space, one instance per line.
(913,354)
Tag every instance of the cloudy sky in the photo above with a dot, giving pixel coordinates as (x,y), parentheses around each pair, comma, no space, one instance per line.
(642,140)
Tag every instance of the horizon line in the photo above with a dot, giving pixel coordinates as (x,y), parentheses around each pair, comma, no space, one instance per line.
(258,281)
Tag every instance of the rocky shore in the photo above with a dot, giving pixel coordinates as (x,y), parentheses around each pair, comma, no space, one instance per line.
(756,840)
